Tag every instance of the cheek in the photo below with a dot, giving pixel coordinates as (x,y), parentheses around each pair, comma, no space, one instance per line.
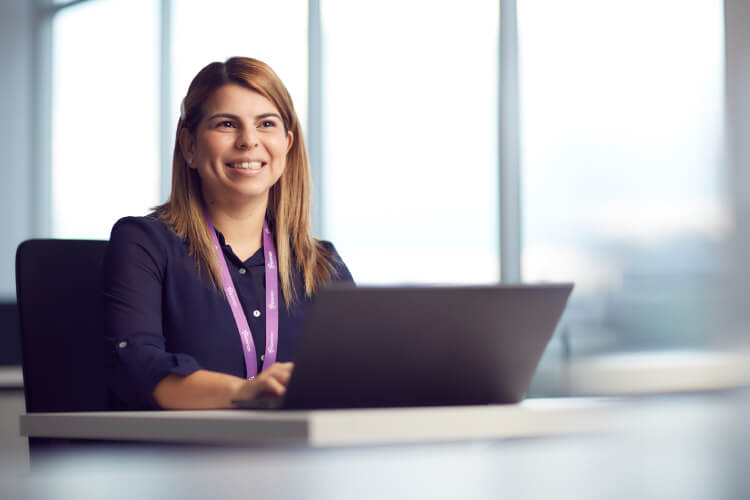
(279,167)
(213,146)
(278,145)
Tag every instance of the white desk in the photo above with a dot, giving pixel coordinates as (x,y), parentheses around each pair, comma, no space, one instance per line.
(11,377)
(535,417)
(686,447)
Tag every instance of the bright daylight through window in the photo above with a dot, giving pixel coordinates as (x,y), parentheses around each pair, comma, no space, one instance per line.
(622,113)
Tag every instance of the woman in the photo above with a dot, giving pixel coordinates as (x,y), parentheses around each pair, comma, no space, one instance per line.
(204,299)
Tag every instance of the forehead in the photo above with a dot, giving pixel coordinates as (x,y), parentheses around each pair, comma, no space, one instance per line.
(237,100)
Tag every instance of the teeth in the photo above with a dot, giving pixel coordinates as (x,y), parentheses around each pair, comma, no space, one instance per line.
(245,165)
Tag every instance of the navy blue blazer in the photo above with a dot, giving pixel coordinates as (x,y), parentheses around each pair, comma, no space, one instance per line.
(160,316)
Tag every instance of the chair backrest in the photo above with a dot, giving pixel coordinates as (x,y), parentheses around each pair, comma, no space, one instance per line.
(10,336)
(62,344)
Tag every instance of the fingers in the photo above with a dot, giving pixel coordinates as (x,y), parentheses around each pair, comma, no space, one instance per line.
(281,371)
(273,381)
(273,387)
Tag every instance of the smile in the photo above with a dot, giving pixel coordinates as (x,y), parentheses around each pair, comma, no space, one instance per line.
(247,165)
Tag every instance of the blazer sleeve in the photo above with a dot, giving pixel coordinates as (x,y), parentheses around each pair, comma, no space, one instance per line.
(132,287)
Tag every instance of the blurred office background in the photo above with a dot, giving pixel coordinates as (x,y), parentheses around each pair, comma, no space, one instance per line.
(593,141)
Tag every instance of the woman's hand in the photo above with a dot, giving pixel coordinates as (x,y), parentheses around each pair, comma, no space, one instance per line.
(267,384)
(206,389)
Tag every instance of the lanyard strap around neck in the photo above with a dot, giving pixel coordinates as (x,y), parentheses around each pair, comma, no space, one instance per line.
(272,310)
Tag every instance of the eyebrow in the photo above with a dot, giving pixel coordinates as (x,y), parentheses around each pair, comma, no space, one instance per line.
(235,117)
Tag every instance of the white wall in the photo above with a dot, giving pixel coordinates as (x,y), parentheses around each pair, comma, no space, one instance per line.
(16,141)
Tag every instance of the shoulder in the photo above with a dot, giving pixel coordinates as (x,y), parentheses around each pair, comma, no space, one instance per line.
(328,251)
(132,224)
(147,234)
(141,230)
(326,245)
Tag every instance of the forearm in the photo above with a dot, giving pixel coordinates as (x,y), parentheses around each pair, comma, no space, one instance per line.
(203,389)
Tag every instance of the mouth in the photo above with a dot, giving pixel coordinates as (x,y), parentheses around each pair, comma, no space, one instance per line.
(247,165)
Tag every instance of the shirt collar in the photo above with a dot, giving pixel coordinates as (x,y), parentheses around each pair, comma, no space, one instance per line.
(256,259)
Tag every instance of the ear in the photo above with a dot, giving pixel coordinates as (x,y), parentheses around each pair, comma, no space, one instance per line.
(289,141)
(187,145)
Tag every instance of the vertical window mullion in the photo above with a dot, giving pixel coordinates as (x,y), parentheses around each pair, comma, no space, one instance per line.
(41,126)
(508,154)
(165,98)
(315,113)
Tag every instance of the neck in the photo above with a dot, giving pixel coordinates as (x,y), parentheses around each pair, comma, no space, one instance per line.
(241,225)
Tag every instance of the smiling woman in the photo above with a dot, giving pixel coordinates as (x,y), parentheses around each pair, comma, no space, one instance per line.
(239,149)
(184,287)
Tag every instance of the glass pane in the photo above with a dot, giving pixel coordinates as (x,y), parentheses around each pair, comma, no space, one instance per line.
(104,116)
(410,127)
(621,116)
(274,32)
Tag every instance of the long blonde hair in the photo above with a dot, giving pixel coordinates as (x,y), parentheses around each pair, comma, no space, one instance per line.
(289,199)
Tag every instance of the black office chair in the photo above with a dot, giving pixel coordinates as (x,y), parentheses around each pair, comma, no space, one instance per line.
(62,345)
(10,336)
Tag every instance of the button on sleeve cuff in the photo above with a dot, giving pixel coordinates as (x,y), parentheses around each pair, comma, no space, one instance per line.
(140,363)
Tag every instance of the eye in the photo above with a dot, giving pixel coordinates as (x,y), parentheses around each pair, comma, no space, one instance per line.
(267,123)
(225,124)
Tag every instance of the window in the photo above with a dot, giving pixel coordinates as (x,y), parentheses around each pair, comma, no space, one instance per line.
(620,124)
(410,134)
(105,151)
(621,115)
(107,84)
(274,32)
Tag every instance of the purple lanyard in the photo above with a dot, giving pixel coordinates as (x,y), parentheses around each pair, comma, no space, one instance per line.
(272,311)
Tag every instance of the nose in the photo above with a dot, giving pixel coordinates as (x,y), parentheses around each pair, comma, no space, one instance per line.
(247,138)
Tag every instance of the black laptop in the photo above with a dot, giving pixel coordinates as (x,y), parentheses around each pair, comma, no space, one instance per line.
(374,347)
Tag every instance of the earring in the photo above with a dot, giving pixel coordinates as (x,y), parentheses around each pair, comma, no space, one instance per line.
(190,162)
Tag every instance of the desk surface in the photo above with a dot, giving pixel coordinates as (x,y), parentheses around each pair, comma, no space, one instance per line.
(534,417)
(11,377)
(682,447)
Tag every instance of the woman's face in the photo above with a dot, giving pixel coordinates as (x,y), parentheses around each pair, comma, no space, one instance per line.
(239,147)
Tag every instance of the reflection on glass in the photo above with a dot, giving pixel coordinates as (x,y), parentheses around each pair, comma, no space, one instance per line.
(621,116)
(104,116)
(410,127)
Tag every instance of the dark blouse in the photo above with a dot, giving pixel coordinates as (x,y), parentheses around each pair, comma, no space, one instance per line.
(160,316)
